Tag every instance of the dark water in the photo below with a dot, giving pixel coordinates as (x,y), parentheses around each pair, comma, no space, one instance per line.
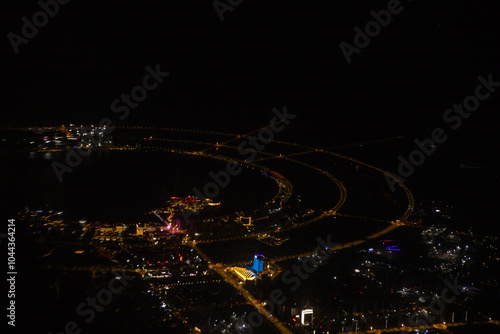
(472,191)
(121,186)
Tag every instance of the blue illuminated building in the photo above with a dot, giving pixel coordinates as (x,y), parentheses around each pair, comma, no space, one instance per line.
(258,263)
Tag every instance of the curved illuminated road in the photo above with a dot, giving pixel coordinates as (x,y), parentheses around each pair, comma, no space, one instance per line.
(222,271)
(202,148)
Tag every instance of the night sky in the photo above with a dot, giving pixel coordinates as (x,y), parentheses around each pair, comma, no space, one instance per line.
(228,75)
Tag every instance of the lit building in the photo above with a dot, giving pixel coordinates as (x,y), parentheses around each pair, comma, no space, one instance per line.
(244,274)
(306,316)
(258,263)
(140,229)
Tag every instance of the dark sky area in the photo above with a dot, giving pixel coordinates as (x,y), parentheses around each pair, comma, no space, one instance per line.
(229,74)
